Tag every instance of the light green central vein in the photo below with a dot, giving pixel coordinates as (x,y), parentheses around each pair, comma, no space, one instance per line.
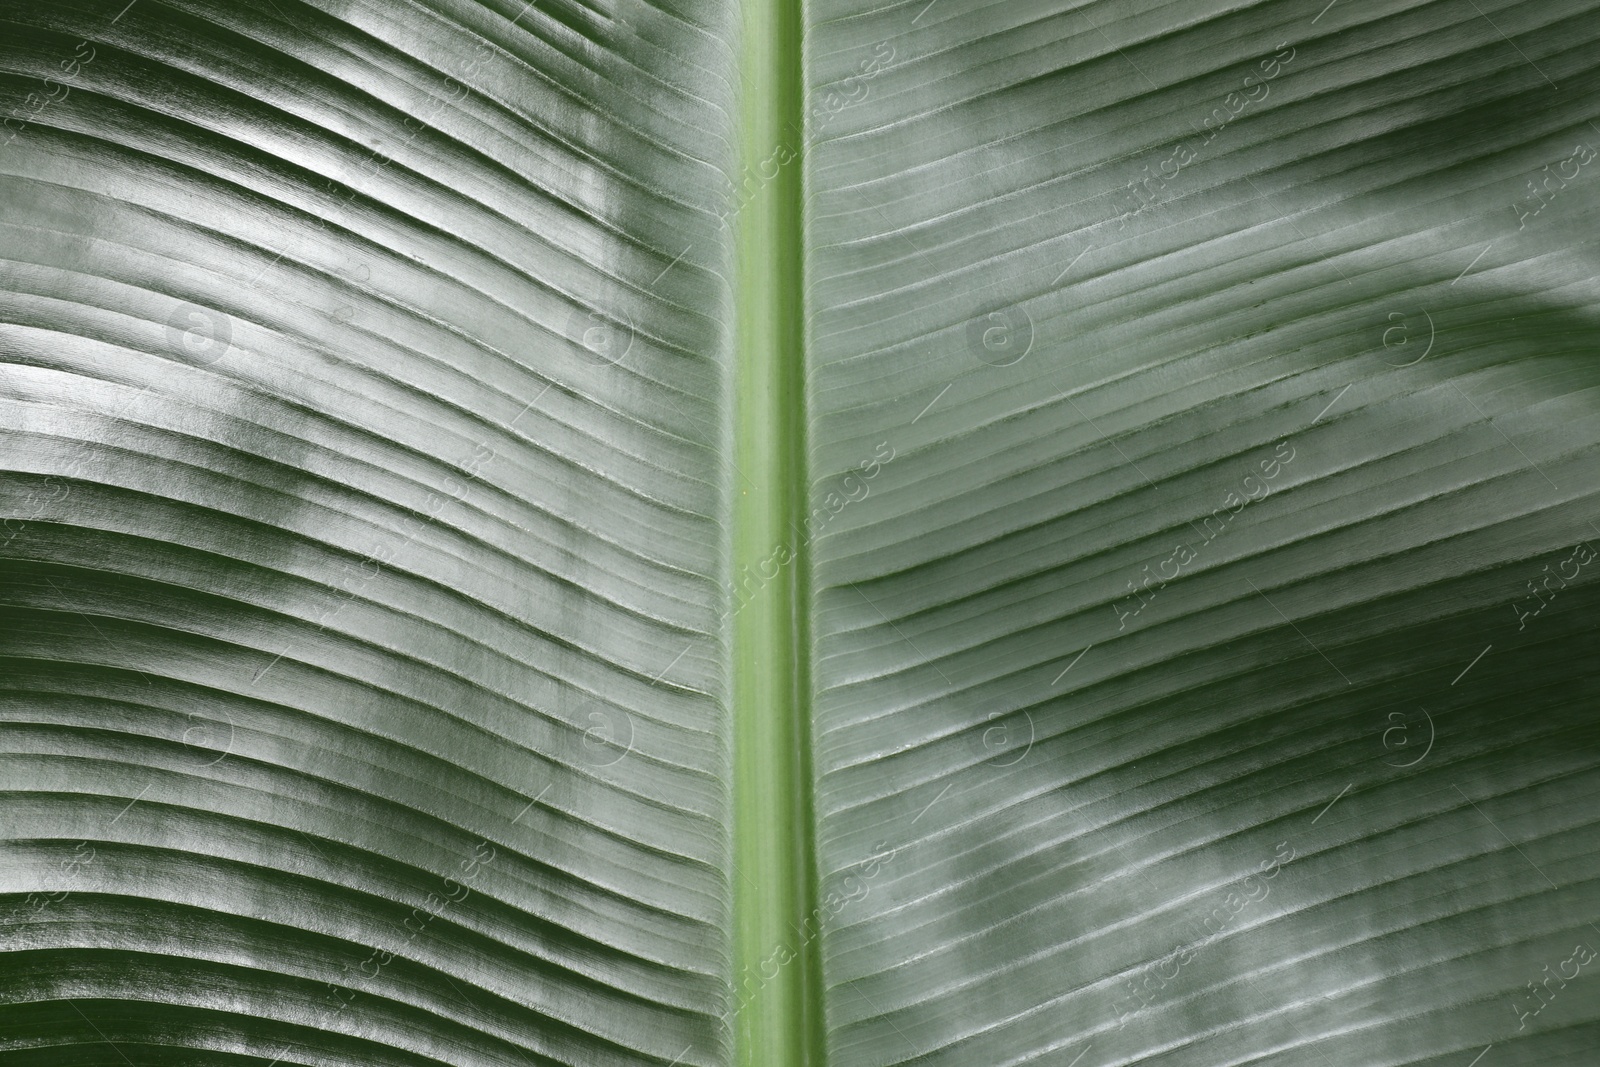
(777,982)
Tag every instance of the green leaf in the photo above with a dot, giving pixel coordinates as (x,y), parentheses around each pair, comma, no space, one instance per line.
(1084,777)
(773,534)
(364,405)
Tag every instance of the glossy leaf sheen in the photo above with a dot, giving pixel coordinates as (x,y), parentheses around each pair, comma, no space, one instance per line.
(1178,422)
(1092,749)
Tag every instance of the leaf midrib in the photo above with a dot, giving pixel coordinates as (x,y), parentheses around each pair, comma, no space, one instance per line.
(776,994)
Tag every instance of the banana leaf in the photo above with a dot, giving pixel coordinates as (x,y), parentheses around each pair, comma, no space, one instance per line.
(593,532)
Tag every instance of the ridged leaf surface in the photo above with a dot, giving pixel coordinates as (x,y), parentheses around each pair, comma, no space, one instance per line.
(363,694)
(1192,661)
